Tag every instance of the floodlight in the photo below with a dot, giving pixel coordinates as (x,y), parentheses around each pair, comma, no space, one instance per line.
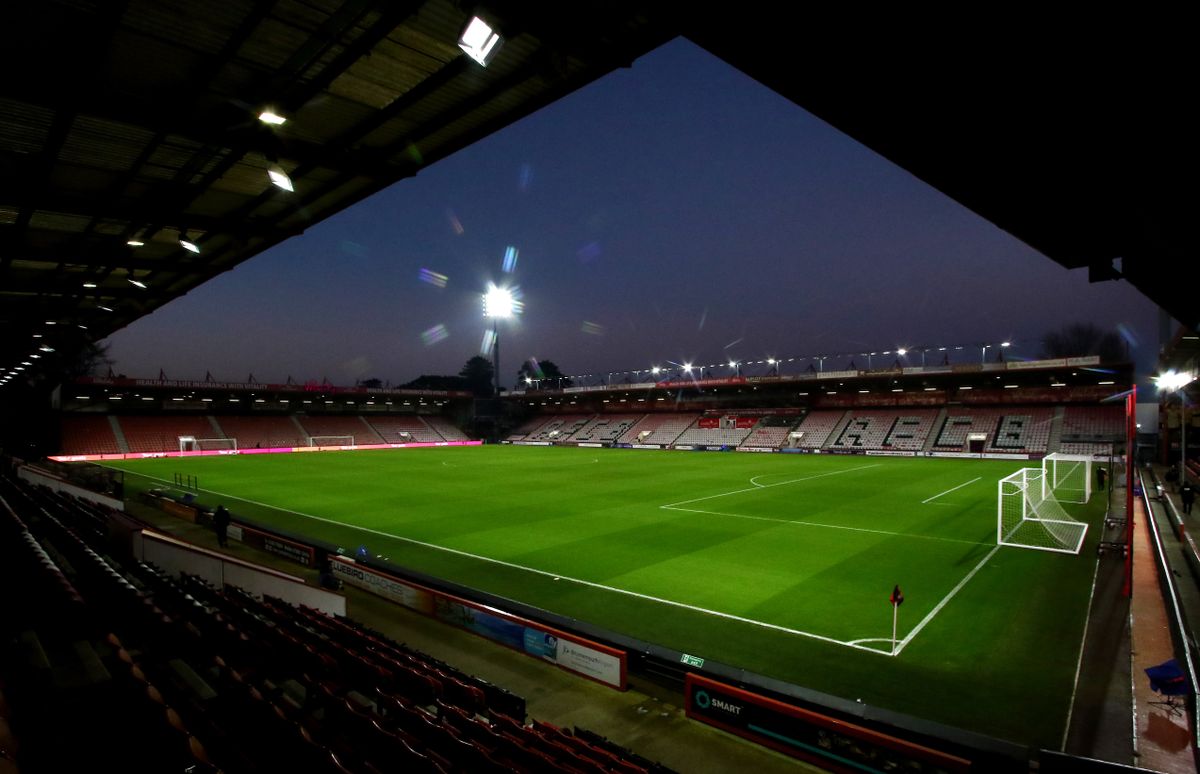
(655,370)
(902,352)
(1006,343)
(1173,380)
(479,41)
(137,283)
(498,302)
(269,116)
(89,284)
(35,357)
(771,361)
(26,362)
(186,242)
(280,178)
(528,380)
(733,364)
(687,367)
(104,308)
(135,243)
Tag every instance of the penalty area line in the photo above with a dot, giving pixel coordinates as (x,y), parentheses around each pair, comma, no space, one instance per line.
(951,489)
(828,526)
(553,575)
(758,486)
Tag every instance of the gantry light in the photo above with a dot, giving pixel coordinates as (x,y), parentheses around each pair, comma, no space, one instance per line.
(479,41)
(269,116)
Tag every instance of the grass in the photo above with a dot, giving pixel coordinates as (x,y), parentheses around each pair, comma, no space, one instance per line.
(779,564)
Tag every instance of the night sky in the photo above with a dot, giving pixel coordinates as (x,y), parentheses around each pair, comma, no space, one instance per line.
(676,211)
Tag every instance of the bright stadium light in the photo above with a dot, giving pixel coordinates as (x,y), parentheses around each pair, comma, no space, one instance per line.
(1173,380)
(479,41)
(687,368)
(89,285)
(270,117)
(186,242)
(498,302)
(902,352)
(137,283)
(135,243)
(279,178)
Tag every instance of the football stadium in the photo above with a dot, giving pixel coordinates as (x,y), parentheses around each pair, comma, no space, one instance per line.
(956,556)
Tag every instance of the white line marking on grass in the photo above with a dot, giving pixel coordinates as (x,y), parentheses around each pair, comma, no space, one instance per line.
(554,576)
(768,486)
(831,526)
(1079,664)
(754,481)
(945,600)
(948,491)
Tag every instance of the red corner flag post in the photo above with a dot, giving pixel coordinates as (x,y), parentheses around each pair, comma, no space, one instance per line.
(896,599)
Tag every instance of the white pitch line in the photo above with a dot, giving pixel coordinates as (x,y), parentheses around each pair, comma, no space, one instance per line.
(945,600)
(948,491)
(1079,664)
(554,575)
(768,486)
(830,526)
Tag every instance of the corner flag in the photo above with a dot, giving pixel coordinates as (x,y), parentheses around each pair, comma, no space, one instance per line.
(897,598)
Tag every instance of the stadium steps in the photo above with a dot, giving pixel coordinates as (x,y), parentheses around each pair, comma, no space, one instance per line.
(935,430)
(1056,427)
(302,433)
(122,444)
(377,438)
(836,434)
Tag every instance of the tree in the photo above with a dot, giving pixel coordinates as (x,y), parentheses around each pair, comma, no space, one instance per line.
(543,370)
(1083,339)
(478,373)
(434,382)
(371,384)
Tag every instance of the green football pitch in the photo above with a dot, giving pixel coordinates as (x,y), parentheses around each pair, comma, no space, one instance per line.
(778,564)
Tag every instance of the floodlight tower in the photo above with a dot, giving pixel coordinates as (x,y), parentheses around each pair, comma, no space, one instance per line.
(1175,381)
(497,304)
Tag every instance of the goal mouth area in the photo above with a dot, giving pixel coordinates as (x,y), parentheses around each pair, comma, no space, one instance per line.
(190,443)
(329,441)
(1028,515)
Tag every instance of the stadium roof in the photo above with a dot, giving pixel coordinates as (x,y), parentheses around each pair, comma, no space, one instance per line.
(138,121)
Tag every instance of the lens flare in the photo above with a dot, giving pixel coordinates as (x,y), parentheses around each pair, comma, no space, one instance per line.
(525,177)
(510,259)
(434,335)
(485,346)
(455,223)
(431,277)
(592,329)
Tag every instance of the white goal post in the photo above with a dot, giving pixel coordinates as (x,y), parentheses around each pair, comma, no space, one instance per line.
(1068,476)
(1029,516)
(331,440)
(190,443)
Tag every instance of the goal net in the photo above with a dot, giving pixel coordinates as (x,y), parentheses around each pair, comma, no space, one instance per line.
(1029,516)
(1068,476)
(189,443)
(331,440)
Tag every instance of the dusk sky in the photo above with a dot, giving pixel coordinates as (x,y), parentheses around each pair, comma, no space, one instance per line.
(674,211)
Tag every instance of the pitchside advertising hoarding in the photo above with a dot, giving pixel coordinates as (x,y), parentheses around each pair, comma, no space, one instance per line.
(575,654)
(827,741)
